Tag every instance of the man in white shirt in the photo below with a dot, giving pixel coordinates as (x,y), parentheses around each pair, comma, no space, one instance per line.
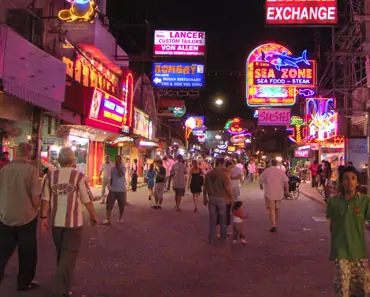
(105,176)
(281,167)
(236,175)
(274,182)
(179,171)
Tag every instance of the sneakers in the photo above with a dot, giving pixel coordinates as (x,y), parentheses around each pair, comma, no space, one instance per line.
(243,241)
(106,222)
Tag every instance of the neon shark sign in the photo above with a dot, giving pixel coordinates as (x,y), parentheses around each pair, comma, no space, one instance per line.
(275,76)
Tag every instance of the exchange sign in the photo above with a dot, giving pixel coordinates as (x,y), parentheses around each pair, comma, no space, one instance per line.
(179,43)
(301,12)
(178,75)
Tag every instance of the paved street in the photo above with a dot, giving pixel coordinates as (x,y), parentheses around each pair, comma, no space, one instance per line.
(163,253)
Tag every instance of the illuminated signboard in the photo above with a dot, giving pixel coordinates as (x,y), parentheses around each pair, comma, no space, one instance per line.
(301,153)
(265,73)
(298,132)
(127,95)
(301,12)
(241,139)
(233,126)
(322,119)
(80,10)
(106,109)
(195,122)
(178,75)
(141,123)
(179,43)
(82,71)
(274,117)
(275,77)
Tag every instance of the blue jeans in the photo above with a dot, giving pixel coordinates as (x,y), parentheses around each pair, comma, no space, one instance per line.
(217,204)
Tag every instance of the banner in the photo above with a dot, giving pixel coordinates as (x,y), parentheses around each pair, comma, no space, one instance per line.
(274,117)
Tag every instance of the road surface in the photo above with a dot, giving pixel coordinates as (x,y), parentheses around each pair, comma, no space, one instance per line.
(163,253)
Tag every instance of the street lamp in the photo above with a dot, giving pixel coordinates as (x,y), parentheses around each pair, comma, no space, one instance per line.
(219,102)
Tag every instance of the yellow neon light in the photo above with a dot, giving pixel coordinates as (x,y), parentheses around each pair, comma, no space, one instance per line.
(79,12)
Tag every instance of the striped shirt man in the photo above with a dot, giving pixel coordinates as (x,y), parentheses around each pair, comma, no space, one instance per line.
(67,190)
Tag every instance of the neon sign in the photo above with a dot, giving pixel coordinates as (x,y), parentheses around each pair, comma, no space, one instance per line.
(241,139)
(234,127)
(275,76)
(107,109)
(82,71)
(298,133)
(195,122)
(322,119)
(128,96)
(80,11)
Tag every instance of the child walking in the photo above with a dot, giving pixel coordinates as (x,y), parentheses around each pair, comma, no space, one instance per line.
(348,213)
(239,216)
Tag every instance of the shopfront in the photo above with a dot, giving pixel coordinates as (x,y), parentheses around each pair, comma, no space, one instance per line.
(25,98)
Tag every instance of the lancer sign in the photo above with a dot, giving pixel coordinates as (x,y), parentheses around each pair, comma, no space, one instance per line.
(178,75)
(301,12)
(179,43)
(106,109)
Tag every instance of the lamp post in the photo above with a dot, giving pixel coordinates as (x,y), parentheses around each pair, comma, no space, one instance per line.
(219,102)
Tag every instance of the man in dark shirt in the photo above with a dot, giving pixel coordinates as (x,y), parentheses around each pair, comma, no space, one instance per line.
(159,185)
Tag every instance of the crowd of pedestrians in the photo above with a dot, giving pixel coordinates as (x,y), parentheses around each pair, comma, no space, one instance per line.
(57,204)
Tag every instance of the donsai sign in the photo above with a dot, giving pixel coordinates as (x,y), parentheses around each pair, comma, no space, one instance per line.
(274,117)
(301,12)
(179,43)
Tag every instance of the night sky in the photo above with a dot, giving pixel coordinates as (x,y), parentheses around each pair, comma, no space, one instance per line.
(232,31)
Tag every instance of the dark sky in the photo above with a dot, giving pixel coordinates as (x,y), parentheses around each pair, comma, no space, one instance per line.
(233,28)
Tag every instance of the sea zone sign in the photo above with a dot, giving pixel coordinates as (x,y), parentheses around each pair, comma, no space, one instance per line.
(301,12)
(179,43)
(274,117)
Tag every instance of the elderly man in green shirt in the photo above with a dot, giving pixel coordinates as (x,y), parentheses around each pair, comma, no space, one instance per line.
(348,213)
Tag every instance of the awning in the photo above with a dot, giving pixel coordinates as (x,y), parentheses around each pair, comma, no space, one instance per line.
(29,73)
(90,133)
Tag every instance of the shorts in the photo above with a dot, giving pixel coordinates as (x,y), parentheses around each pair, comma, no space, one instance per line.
(272,204)
(159,190)
(179,191)
(113,196)
(352,278)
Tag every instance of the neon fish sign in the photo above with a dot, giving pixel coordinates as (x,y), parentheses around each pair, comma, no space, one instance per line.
(80,10)
(274,75)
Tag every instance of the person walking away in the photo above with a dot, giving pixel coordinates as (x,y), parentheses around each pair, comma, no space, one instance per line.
(314,168)
(274,182)
(251,170)
(128,173)
(134,171)
(20,191)
(179,172)
(236,176)
(169,177)
(348,213)
(160,184)
(195,183)
(4,159)
(105,177)
(117,191)
(240,165)
(65,192)
(238,217)
(217,193)
(150,180)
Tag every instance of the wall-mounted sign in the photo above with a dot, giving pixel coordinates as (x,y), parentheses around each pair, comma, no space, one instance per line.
(321,118)
(301,153)
(285,73)
(179,43)
(357,152)
(106,109)
(275,76)
(195,122)
(127,96)
(298,132)
(141,123)
(301,12)
(241,139)
(234,126)
(82,71)
(274,117)
(178,75)
(80,10)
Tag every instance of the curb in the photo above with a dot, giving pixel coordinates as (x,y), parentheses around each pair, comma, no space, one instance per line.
(321,201)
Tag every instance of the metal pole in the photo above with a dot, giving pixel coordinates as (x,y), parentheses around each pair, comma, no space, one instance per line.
(366,49)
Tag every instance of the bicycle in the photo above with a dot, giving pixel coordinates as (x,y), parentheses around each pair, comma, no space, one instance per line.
(328,190)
